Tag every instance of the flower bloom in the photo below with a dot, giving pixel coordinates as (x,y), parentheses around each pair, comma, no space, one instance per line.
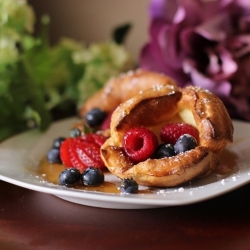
(203,43)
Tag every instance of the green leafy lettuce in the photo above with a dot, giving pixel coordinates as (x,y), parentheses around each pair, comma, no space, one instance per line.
(40,83)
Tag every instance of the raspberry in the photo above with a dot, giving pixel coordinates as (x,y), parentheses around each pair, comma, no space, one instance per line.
(172,131)
(80,153)
(139,143)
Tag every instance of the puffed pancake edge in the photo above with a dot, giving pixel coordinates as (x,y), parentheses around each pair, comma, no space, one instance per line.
(165,172)
(209,117)
(119,89)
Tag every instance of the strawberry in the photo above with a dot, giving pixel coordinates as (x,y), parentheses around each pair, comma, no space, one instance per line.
(172,131)
(64,151)
(96,138)
(89,154)
(82,152)
(139,143)
(106,123)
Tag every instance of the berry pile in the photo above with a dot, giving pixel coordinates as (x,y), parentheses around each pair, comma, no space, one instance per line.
(83,151)
(172,131)
(80,153)
(72,177)
(91,176)
(177,138)
(77,151)
(140,143)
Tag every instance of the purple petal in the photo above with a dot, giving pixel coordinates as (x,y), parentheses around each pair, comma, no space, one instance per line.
(150,59)
(203,43)
(216,28)
(193,43)
(162,9)
(221,64)
(220,88)
(176,11)
(239,45)
(164,44)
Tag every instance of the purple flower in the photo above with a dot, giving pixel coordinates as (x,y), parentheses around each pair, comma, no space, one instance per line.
(203,43)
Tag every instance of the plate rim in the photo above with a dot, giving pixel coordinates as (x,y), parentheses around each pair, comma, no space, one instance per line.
(135,200)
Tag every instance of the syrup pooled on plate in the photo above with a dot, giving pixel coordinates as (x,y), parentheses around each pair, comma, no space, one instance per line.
(227,164)
(50,173)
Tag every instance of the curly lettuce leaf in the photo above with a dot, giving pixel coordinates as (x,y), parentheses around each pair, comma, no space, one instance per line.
(39,82)
(100,61)
(22,95)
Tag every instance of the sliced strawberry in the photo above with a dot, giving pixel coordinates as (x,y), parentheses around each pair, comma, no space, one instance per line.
(89,154)
(68,154)
(96,138)
(64,152)
(79,153)
(172,131)
(139,143)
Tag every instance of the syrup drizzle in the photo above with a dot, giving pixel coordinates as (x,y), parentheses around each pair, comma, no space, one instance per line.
(227,164)
(50,173)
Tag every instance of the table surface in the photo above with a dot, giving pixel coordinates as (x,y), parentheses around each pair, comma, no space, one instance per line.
(34,220)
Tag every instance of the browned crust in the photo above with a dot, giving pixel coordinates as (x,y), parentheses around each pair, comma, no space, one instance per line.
(119,89)
(166,172)
(156,106)
(145,109)
(211,117)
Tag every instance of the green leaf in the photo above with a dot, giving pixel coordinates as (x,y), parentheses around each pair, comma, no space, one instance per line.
(119,34)
(24,92)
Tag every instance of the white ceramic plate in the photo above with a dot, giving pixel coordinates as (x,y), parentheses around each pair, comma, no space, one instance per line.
(20,157)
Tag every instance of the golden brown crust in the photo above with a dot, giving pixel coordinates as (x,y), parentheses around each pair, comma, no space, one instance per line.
(210,115)
(155,107)
(119,89)
(147,109)
(165,172)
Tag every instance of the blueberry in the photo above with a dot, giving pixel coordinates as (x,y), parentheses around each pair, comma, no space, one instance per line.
(184,143)
(92,177)
(95,117)
(53,156)
(70,177)
(75,132)
(57,142)
(164,150)
(129,186)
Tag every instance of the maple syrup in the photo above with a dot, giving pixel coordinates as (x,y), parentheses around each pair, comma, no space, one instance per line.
(227,164)
(50,172)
